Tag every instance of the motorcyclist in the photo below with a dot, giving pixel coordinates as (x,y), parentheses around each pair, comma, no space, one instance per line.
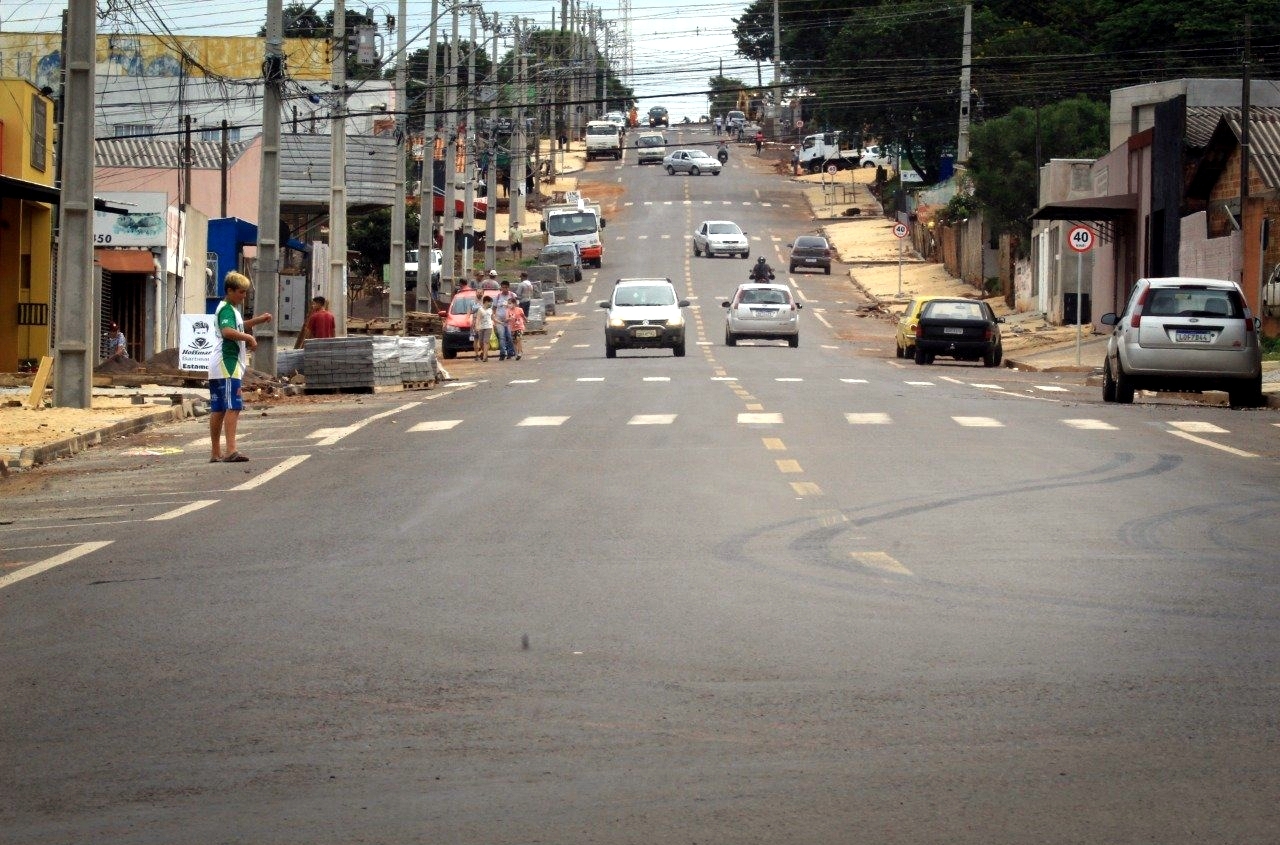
(722,152)
(762,272)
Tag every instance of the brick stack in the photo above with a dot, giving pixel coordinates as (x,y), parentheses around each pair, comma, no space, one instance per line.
(418,360)
(352,363)
(289,362)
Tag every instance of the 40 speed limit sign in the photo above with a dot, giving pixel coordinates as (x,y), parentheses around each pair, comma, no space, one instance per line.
(1081,238)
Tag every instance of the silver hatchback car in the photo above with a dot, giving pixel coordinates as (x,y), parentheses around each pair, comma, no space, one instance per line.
(762,311)
(1184,334)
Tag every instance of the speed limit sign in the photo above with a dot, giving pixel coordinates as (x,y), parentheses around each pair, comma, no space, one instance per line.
(833,169)
(900,230)
(1080,238)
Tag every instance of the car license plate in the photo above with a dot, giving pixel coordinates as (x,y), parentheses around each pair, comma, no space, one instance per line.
(952,330)
(1189,336)
(764,312)
(811,261)
(646,332)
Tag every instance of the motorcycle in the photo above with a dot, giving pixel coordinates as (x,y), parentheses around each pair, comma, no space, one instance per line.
(760,278)
(723,154)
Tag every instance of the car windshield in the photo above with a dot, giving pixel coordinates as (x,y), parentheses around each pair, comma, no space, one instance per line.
(602,130)
(571,224)
(462,305)
(650,141)
(698,154)
(810,243)
(764,296)
(644,295)
(723,229)
(953,311)
(1193,302)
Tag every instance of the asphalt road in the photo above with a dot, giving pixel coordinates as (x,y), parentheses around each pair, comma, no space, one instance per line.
(754,595)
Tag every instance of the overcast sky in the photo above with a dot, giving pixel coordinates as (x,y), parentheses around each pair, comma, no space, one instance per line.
(676,45)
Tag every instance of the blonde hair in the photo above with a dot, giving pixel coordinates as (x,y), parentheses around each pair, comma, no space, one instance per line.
(237,281)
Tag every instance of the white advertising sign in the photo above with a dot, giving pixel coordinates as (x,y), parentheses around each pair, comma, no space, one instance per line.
(197,340)
(144,225)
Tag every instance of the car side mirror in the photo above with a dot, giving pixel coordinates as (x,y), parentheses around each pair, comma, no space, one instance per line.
(442,314)
(725,304)
(791,246)
(684,303)
(999,319)
(1109,319)
(799,305)
(604,303)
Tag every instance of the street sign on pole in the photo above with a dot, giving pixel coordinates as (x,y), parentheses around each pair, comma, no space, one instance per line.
(1080,239)
(832,169)
(900,230)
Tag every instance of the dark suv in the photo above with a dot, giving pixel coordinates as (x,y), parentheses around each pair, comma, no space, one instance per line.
(658,116)
(810,252)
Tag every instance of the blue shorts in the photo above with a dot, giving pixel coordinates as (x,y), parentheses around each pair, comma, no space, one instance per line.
(224,395)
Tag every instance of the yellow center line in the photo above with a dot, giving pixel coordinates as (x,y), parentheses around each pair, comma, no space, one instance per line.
(774,444)
(788,465)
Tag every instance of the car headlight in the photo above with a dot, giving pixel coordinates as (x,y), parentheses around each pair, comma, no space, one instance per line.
(676,322)
(616,322)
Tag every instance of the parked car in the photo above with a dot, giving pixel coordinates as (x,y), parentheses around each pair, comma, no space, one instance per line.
(456,320)
(692,162)
(720,237)
(810,252)
(964,329)
(1184,334)
(651,148)
(644,314)
(875,156)
(762,311)
(905,338)
(566,256)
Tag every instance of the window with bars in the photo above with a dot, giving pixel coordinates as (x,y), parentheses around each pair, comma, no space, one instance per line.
(39,136)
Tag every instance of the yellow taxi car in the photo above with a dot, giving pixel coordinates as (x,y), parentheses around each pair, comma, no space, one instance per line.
(905,339)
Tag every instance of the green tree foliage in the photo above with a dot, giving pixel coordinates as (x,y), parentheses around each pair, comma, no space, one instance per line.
(1003,158)
(723,94)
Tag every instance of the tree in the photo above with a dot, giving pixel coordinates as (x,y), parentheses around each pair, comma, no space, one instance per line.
(723,95)
(1003,158)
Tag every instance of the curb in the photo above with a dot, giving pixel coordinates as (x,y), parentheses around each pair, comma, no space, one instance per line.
(36,455)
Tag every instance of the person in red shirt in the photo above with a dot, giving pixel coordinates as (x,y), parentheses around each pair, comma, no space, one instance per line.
(320,322)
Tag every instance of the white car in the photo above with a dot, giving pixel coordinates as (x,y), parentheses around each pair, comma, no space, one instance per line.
(644,314)
(692,162)
(617,118)
(875,156)
(762,311)
(720,237)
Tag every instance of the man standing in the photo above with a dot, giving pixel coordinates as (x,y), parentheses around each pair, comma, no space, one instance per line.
(501,308)
(517,241)
(524,291)
(320,322)
(227,367)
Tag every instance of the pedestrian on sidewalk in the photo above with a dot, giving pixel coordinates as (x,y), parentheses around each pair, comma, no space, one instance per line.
(228,365)
(516,237)
(524,291)
(515,321)
(501,315)
(759,141)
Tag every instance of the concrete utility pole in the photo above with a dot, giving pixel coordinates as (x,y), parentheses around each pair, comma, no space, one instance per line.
(491,172)
(519,142)
(338,173)
(451,155)
(777,68)
(76,350)
(426,187)
(267,282)
(1255,304)
(395,302)
(469,170)
(966,67)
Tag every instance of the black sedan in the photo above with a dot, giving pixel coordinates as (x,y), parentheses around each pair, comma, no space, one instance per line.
(964,329)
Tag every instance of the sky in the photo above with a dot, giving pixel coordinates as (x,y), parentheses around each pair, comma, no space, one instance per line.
(676,45)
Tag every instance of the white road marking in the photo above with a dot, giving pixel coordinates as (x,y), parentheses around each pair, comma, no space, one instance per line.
(184,510)
(821,319)
(881,561)
(759,419)
(1203,442)
(950,379)
(868,419)
(988,386)
(524,381)
(806,488)
(978,422)
(652,419)
(788,378)
(582,346)
(279,469)
(330,436)
(1198,427)
(854,380)
(657,378)
(1091,425)
(724,378)
(541,421)
(706,343)
(920,383)
(49,563)
(789,466)
(1051,388)
(592,378)
(436,425)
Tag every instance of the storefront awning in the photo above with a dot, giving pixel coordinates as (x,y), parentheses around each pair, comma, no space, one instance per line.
(1089,209)
(11,188)
(126,260)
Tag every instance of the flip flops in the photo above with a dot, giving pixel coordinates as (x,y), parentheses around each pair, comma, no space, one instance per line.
(234,458)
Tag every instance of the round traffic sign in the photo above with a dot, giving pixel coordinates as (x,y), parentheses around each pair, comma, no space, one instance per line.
(832,169)
(799,124)
(900,230)
(1080,238)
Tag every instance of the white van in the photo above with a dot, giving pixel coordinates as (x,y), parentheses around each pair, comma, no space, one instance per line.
(603,140)
(651,148)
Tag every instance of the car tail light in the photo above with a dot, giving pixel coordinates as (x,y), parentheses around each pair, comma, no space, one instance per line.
(917,330)
(988,334)
(1136,320)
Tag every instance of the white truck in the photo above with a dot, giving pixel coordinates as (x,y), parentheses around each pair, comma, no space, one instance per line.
(579,221)
(820,151)
(411,271)
(603,138)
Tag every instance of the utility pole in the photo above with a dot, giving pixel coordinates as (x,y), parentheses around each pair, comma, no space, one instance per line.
(451,154)
(966,62)
(76,349)
(469,168)
(777,68)
(395,302)
(427,184)
(267,281)
(1244,165)
(519,143)
(338,173)
(491,172)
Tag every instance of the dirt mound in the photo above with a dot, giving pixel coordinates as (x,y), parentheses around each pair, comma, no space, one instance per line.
(114,367)
(165,361)
(608,194)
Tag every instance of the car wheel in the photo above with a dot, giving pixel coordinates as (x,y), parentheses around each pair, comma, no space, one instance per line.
(610,351)
(696,253)
(746,254)
(898,351)
(827,269)
(794,341)
(999,354)
(729,339)
(923,357)
(990,359)
(678,349)
(694,171)
(791,268)
(717,172)
(1246,395)
(450,354)
(1124,385)
(671,171)
(1108,383)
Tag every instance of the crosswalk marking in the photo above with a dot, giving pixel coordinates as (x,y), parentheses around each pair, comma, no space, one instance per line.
(436,425)
(652,419)
(868,419)
(1090,425)
(978,422)
(788,379)
(988,386)
(806,488)
(541,421)
(657,378)
(1197,427)
(524,381)
(759,419)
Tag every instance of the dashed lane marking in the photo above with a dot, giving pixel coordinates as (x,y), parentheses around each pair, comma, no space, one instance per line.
(279,469)
(1198,427)
(436,425)
(988,386)
(788,466)
(652,419)
(1205,442)
(1051,388)
(868,419)
(788,378)
(657,378)
(774,444)
(1090,425)
(806,488)
(591,378)
(978,422)
(854,381)
(920,383)
(541,421)
(880,561)
(184,510)
(49,563)
(759,419)
(524,381)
